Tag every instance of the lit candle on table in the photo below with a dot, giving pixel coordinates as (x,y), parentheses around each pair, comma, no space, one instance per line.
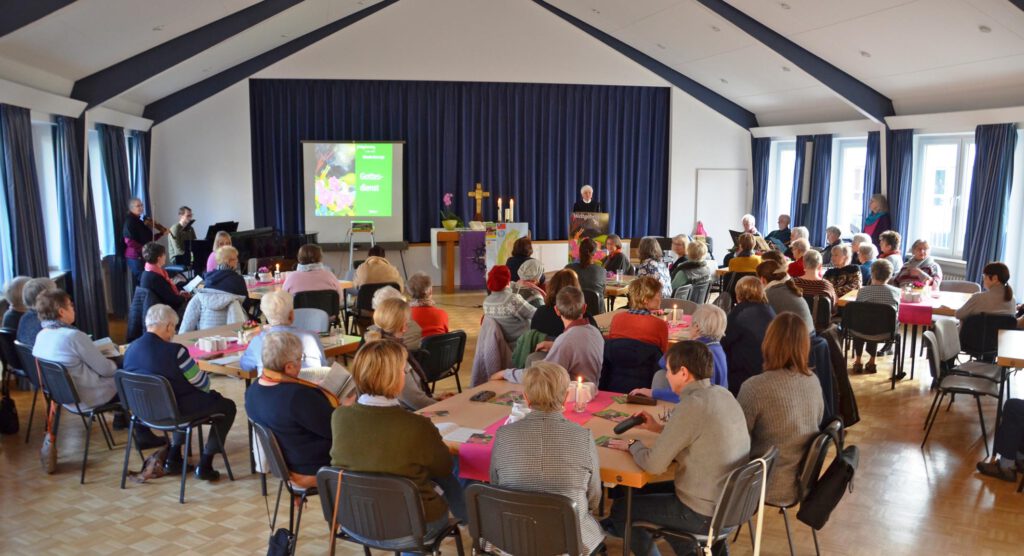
(675,306)
(511,210)
(277,268)
(499,209)
(580,406)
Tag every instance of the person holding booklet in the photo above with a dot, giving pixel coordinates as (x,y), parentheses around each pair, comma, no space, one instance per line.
(279,308)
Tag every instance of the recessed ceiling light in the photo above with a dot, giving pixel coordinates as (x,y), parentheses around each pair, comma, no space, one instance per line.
(865,53)
(159,28)
(984,28)
(595,10)
(784,5)
(786,68)
(661,46)
(715,28)
(284,36)
(724,80)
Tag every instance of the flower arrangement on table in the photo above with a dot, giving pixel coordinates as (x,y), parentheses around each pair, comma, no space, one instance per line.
(264,274)
(449,219)
(249,330)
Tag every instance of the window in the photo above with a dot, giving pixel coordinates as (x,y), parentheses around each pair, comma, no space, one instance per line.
(101,197)
(49,196)
(780,182)
(943,165)
(1015,226)
(846,195)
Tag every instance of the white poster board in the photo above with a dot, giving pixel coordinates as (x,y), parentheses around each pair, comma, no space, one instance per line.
(722,199)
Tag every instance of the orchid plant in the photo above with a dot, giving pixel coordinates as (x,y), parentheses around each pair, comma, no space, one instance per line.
(447,213)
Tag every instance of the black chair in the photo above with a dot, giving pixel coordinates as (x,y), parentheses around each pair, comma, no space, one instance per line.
(953,385)
(730,280)
(701,290)
(821,311)
(873,322)
(628,364)
(594,301)
(328,301)
(151,401)
(685,306)
(739,501)
(441,356)
(63,392)
(376,507)
(266,441)
(517,522)
(683,292)
(979,334)
(13,366)
(361,315)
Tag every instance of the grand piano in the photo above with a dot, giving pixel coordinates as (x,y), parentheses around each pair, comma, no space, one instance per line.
(258,247)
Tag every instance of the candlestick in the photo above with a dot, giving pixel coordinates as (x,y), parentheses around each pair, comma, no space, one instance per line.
(511,210)
(579,406)
(500,214)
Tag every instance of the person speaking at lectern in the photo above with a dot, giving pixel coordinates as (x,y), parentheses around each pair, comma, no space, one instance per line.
(587,204)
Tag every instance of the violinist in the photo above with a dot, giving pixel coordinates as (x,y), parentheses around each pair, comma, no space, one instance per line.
(137,232)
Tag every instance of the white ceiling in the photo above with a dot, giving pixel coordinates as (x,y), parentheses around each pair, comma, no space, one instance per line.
(926,55)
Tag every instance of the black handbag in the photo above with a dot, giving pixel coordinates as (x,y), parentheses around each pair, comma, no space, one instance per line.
(829,489)
(8,412)
(282,543)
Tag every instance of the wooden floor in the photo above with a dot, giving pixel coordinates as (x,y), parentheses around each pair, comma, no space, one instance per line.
(905,500)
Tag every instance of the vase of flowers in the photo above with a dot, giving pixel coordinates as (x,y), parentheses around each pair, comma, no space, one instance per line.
(449,219)
(264,274)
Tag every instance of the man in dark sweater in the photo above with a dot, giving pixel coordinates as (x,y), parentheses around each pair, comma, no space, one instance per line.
(154,354)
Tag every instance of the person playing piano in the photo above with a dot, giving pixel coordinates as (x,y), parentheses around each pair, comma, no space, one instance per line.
(179,233)
(587,204)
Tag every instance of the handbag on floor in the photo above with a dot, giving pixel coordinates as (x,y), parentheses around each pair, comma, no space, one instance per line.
(8,412)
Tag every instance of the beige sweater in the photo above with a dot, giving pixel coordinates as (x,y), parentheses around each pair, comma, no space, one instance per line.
(991,301)
(377,270)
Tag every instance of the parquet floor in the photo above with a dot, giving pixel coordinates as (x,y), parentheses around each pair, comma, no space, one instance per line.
(905,500)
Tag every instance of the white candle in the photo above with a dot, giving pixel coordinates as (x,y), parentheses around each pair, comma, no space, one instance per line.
(499,210)
(277,267)
(511,210)
(675,306)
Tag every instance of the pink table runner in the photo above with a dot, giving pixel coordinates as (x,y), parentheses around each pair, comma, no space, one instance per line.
(915,313)
(195,353)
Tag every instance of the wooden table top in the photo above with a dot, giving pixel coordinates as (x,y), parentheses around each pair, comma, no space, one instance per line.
(257,292)
(1011,349)
(334,346)
(604,322)
(946,304)
(617,466)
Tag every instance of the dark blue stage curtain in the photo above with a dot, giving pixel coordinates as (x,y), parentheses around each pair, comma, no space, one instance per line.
(872,172)
(115,168)
(760,152)
(24,212)
(138,168)
(796,203)
(899,157)
(82,244)
(990,196)
(815,212)
(538,143)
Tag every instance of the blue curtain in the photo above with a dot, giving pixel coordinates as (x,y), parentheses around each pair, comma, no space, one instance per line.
(872,171)
(538,143)
(815,213)
(138,167)
(24,214)
(82,246)
(899,157)
(990,196)
(796,203)
(115,170)
(760,151)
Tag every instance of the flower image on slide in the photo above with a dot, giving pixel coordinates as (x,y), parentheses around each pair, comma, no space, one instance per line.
(335,191)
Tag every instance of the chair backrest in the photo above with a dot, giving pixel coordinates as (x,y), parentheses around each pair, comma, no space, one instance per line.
(701,290)
(593,301)
(328,301)
(372,506)
(443,352)
(814,457)
(732,278)
(58,382)
(28,363)
(979,334)
(313,320)
(931,345)
(518,522)
(149,398)
(9,355)
(683,292)
(869,321)
(962,286)
(364,299)
(741,495)
(628,364)
(821,311)
(266,441)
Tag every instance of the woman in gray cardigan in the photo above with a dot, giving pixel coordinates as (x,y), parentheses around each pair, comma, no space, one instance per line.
(783,294)
(783,405)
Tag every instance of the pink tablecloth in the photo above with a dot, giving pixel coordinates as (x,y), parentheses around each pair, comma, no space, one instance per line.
(915,314)
(195,353)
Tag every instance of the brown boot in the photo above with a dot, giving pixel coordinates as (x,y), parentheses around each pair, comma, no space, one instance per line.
(858,368)
(870,369)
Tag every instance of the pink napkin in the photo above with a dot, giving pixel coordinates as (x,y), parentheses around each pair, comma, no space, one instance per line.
(915,313)
(601,401)
(684,323)
(262,284)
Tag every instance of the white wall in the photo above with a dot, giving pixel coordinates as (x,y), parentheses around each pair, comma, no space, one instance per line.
(201,157)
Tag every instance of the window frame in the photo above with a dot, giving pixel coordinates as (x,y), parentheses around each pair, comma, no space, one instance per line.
(961,191)
(773,205)
(840,146)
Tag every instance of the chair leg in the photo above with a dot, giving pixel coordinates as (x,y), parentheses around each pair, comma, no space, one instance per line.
(31,414)
(458,383)
(298,518)
(817,549)
(128,451)
(88,434)
(750,529)
(184,465)
(789,535)
(932,410)
(984,435)
(108,436)
(458,542)
(932,422)
(223,450)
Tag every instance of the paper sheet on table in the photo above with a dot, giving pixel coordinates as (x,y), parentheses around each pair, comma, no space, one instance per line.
(226,361)
(462,434)
(446,427)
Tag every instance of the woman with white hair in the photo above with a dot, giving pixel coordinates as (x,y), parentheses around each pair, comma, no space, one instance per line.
(153,353)
(833,238)
(431,320)
(413,337)
(844,275)
(528,285)
(799,232)
(749,224)
(16,302)
(810,282)
(220,300)
(708,326)
(587,204)
(279,309)
(651,265)
(855,243)
(798,248)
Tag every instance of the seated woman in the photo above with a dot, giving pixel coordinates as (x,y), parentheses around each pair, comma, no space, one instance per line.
(13,294)
(413,336)
(528,286)
(226,277)
(833,239)
(651,265)
(745,260)
(708,327)
(29,325)
(155,287)
(855,244)
(511,312)
(377,270)
(413,446)
(798,248)
(878,291)
(889,245)
(997,299)
(868,254)
(844,275)
(279,309)
(783,405)
(695,269)
(155,354)
(390,321)
(782,292)
(310,274)
(522,251)
(431,320)
(810,282)
(545,319)
(590,274)
(553,442)
(679,245)
(220,240)
(1007,443)
(921,268)
(638,323)
(747,323)
(617,260)
(296,411)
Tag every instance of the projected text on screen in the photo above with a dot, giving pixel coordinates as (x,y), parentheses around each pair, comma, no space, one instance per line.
(353,179)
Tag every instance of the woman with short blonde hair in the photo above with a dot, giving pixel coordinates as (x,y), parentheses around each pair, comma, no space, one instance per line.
(744,331)
(695,269)
(750,289)
(638,323)
(390,323)
(220,240)
(545,385)
(377,369)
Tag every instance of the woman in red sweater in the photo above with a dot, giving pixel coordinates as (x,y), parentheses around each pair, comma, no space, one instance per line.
(432,320)
(638,323)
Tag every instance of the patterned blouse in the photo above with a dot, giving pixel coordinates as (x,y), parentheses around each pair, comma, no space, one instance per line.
(657,269)
(845,279)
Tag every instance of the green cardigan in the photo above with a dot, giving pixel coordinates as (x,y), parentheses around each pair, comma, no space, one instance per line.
(394,441)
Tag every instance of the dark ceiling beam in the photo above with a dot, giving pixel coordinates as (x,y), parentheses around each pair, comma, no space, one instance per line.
(174,103)
(19,13)
(1018,3)
(118,78)
(739,115)
(866,100)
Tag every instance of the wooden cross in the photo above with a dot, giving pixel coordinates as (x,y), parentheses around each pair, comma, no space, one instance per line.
(479,195)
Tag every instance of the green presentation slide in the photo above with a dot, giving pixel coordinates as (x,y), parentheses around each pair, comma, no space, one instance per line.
(353,179)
